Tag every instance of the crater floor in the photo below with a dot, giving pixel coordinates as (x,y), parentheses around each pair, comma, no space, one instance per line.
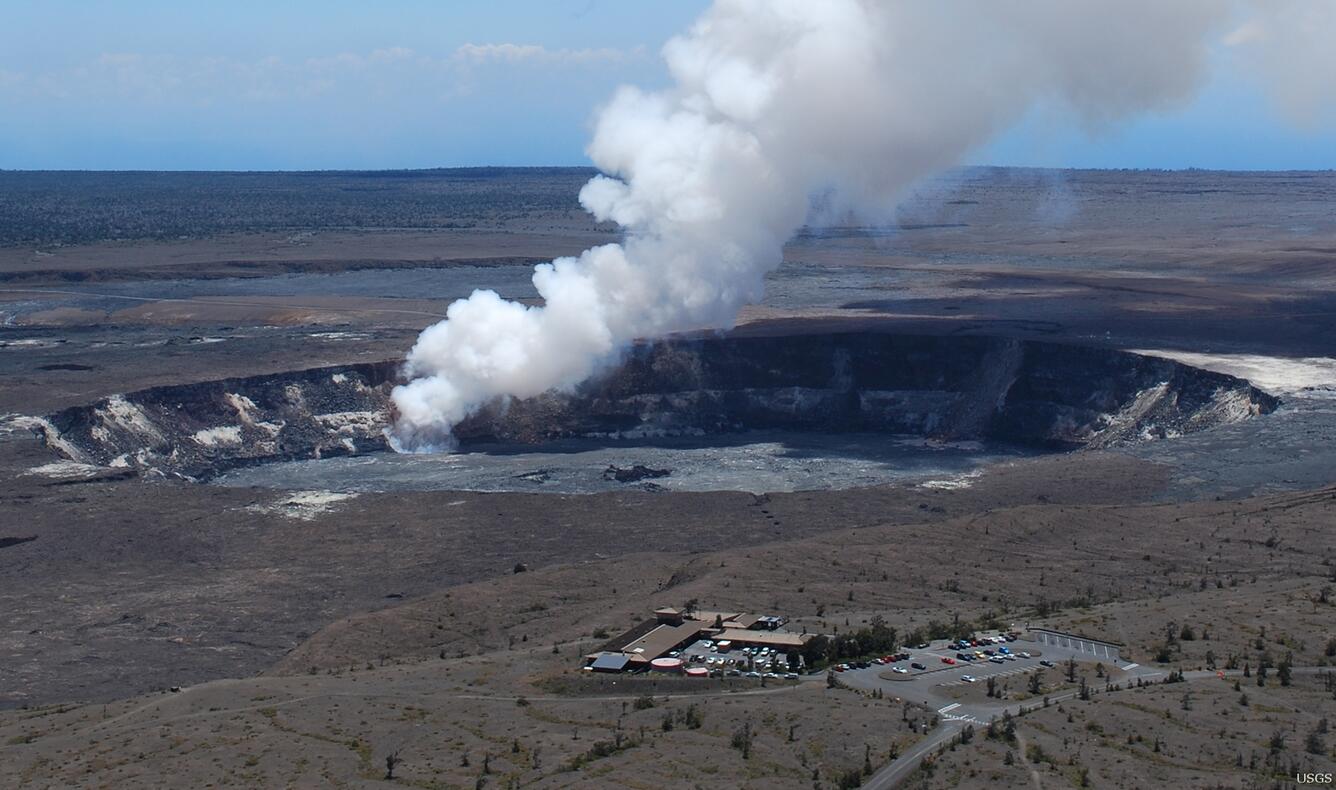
(755,461)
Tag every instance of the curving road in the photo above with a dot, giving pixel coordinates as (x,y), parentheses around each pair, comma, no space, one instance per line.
(930,688)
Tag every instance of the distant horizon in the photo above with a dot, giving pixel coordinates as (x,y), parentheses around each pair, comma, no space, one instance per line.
(592,169)
(151,86)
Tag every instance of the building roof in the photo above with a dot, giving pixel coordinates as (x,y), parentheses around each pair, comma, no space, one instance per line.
(741,621)
(768,638)
(612,662)
(708,618)
(661,640)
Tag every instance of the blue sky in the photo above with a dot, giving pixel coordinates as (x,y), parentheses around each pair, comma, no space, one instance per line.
(298,84)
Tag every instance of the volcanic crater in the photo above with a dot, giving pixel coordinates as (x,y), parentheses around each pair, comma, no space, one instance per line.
(1047,396)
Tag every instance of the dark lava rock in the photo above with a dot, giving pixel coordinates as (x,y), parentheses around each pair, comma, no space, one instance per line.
(635,474)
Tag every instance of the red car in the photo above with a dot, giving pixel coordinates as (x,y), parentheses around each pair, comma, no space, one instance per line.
(948,660)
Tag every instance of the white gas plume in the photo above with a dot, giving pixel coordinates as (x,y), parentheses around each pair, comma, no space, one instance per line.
(772,103)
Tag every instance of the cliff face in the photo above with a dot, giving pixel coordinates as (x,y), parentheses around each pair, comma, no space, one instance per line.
(946,387)
(200,429)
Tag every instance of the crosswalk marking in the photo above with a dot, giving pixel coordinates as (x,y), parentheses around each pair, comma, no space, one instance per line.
(1130,666)
(950,707)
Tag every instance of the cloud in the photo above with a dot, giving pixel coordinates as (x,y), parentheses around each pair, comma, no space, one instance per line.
(153,79)
(1286,44)
(533,53)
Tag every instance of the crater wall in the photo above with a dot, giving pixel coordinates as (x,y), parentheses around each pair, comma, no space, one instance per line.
(957,388)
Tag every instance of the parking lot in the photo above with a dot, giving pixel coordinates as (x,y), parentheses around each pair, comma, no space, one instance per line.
(986,655)
(754,662)
(942,669)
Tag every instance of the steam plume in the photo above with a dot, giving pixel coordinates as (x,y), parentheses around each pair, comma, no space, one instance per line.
(775,101)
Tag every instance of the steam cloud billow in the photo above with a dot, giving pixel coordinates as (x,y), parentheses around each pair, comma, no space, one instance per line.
(774,102)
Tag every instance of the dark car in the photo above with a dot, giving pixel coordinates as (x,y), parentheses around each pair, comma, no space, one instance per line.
(917,665)
(962,657)
(1046,663)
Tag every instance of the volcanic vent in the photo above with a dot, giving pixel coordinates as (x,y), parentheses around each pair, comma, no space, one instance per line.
(947,387)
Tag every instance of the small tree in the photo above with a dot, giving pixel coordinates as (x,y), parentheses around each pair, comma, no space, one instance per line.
(742,740)
(391,760)
(1315,743)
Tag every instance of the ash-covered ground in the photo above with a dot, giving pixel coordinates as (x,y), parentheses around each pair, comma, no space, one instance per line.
(121,582)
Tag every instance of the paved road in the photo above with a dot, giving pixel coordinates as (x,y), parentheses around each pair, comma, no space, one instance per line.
(899,769)
(931,688)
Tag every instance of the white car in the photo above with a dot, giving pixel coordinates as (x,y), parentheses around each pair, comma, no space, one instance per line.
(968,678)
(1024,654)
(900,670)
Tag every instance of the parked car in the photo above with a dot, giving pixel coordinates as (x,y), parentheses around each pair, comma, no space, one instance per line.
(900,670)
(917,665)
(996,660)
(1024,654)
(1046,663)
(968,678)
